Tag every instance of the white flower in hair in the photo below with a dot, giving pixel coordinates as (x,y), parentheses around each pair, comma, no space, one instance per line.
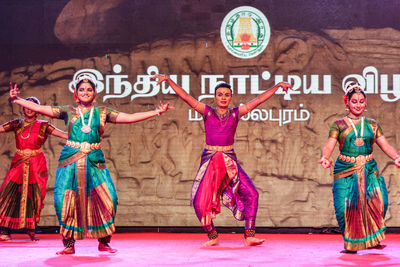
(86,77)
(356,87)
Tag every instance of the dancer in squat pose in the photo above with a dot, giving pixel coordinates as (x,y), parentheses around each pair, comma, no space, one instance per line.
(85,198)
(24,187)
(220,174)
(359,192)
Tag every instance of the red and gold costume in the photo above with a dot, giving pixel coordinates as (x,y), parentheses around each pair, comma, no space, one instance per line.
(24,187)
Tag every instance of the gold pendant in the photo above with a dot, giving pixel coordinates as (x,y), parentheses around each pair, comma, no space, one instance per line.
(359,142)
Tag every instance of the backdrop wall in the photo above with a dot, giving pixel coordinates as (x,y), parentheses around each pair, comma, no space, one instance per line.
(315,47)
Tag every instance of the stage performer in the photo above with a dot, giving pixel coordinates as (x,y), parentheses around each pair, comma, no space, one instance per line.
(220,175)
(24,187)
(359,191)
(85,198)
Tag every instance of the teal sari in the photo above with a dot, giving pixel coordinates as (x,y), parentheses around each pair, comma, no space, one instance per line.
(359,192)
(85,198)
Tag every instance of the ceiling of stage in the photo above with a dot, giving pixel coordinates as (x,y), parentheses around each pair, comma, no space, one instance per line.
(40,31)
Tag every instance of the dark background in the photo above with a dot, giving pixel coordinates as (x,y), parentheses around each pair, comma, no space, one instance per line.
(27,26)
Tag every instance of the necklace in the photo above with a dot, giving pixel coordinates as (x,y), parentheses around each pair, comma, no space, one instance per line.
(359,140)
(223,118)
(30,129)
(86,127)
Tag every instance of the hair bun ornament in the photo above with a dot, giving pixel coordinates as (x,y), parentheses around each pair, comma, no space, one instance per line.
(355,86)
(85,77)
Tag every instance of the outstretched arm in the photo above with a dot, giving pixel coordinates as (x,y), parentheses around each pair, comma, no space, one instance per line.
(141,116)
(327,152)
(244,109)
(193,103)
(388,149)
(44,110)
(59,133)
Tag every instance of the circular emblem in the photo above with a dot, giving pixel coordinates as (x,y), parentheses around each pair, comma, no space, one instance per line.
(245,32)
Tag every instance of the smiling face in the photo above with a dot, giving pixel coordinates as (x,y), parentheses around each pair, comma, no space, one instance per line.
(29,114)
(85,93)
(357,104)
(223,97)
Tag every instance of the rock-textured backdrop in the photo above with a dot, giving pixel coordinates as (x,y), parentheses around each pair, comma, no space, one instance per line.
(153,162)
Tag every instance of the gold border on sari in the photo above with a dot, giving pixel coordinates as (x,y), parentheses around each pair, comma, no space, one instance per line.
(24,194)
(81,181)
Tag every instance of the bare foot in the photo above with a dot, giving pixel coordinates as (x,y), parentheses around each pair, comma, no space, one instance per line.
(107,248)
(66,251)
(32,236)
(5,237)
(252,241)
(345,251)
(211,242)
(379,246)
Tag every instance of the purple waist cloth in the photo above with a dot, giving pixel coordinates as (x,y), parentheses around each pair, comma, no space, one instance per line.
(240,195)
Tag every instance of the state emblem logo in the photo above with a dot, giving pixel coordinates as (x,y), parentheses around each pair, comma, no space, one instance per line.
(245,32)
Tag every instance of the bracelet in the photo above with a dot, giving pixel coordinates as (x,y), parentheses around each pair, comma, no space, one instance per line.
(323,158)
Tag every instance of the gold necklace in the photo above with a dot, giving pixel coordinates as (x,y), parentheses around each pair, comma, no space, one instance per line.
(223,118)
(30,130)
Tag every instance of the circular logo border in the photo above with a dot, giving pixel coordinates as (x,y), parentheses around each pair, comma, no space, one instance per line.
(228,23)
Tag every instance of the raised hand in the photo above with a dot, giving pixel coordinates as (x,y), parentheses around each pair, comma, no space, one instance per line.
(14,91)
(326,164)
(163,108)
(285,86)
(397,162)
(161,78)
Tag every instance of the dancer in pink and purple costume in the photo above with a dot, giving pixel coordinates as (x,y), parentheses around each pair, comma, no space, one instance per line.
(220,175)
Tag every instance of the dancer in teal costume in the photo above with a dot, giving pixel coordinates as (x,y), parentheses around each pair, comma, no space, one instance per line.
(359,191)
(84,195)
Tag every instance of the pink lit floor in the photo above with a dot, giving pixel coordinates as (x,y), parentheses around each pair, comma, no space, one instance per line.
(165,249)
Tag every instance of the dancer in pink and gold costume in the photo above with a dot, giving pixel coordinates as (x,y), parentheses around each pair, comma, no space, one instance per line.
(24,187)
(359,191)
(220,175)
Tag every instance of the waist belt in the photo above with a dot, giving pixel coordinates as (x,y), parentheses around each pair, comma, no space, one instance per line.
(85,147)
(359,159)
(29,152)
(219,148)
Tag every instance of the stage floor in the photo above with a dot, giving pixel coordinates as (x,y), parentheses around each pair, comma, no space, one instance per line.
(167,249)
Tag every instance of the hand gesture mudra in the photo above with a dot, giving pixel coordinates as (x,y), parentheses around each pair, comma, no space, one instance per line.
(163,108)
(161,78)
(326,163)
(285,86)
(14,91)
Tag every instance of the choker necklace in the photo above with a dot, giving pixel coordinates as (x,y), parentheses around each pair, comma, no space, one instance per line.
(30,129)
(359,140)
(223,118)
(86,127)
